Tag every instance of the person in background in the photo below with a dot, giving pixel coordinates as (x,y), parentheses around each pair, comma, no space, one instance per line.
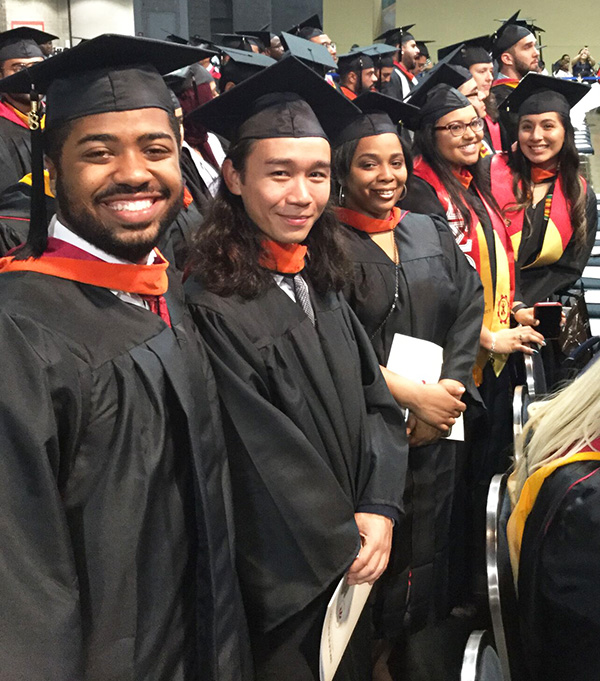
(583,64)
(554,532)
(317,445)
(409,278)
(312,29)
(402,80)
(514,48)
(357,74)
(562,68)
(422,62)
(18,51)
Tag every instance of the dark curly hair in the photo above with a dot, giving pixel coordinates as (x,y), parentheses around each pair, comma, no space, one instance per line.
(568,165)
(228,247)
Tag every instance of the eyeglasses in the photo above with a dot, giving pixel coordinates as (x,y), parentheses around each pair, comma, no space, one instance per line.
(457,128)
(331,45)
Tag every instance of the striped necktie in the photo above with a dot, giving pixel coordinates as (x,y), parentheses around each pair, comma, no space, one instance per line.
(303,297)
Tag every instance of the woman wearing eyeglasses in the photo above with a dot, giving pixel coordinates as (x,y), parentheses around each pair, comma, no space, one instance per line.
(447,181)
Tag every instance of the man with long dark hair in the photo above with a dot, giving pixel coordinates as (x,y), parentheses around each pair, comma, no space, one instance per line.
(317,445)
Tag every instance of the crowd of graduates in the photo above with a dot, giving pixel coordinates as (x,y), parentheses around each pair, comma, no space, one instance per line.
(225,264)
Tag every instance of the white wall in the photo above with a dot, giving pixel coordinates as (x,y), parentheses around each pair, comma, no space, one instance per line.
(90,18)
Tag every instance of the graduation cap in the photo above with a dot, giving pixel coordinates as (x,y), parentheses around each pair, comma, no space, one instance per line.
(422,45)
(528,23)
(380,114)
(23,43)
(356,60)
(442,72)
(439,101)
(381,54)
(508,35)
(239,41)
(536,94)
(172,38)
(263,38)
(198,41)
(188,76)
(242,65)
(106,74)
(472,51)
(397,36)
(310,53)
(286,100)
(309,28)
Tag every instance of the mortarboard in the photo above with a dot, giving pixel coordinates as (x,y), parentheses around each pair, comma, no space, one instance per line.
(286,100)
(198,41)
(23,43)
(238,41)
(309,28)
(442,72)
(472,51)
(536,94)
(379,114)
(508,35)
(108,73)
(242,65)
(439,101)
(423,49)
(172,38)
(310,53)
(397,36)
(182,79)
(355,60)
(263,37)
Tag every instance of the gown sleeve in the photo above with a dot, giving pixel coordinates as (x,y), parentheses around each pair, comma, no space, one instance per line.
(40,627)
(386,434)
(570,587)
(565,271)
(462,342)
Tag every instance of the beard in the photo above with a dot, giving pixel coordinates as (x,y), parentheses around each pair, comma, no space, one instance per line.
(409,61)
(522,67)
(89,227)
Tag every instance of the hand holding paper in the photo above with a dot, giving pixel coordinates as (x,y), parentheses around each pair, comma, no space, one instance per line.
(376,533)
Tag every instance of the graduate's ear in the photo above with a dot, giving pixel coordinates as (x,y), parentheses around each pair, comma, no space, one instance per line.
(52,173)
(232,177)
(507,58)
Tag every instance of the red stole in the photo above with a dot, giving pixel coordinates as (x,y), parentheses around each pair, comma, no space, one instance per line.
(65,261)
(348,93)
(497,301)
(559,229)
(495,134)
(411,76)
(365,223)
(511,82)
(282,258)
(8,112)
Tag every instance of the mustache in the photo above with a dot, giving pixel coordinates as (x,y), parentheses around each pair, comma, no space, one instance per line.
(123,189)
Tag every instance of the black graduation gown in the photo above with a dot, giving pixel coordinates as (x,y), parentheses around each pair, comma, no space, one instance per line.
(313,435)
(116,560)
(15,152)
(440,300)
(538,283)
(15,209)
(177,241)
(195,184)
(559,580)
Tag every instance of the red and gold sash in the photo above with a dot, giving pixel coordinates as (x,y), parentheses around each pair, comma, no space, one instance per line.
(559,229)
(511,82)
(348,93)
(497,301)
(411,76)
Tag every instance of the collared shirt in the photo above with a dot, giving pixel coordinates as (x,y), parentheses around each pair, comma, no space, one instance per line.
(208,174)
(59,231)
(286,285)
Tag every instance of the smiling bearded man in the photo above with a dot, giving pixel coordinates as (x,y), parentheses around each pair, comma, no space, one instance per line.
(112,475)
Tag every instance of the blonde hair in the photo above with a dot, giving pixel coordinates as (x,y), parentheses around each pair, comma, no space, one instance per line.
(565,424)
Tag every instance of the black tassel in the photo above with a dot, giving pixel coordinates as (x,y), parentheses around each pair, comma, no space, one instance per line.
(37,239)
